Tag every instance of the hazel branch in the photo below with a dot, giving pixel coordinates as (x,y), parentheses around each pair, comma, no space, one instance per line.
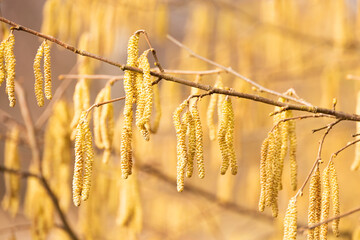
(298,107)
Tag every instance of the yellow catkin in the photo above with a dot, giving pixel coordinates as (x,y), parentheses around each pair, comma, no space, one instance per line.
(199,154)
(88,152)
(10,63)
(334,193)
(47,70)
(107,124)
(155,126)
(38,87)
(78,166)
(314,204)
(284,135)
(180,129)
(191,132)
(270,159)
(145,97)
(230,140)
(126,133)
(214,98)
(264,151)
(292,152)
(290,221)
(2,67)
(325,202)
(11,198)
(277,166)
(96,120)
(356,163)
(224,124)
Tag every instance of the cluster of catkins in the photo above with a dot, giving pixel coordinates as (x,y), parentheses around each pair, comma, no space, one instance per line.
(7,71)
(139,90)
(273,153)
(188,124)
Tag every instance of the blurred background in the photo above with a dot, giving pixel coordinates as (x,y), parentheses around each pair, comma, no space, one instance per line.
(310,46)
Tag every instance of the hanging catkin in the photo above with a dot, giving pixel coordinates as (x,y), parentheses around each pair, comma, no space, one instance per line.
(263,178)
(10,63)
(199,154)
(84,156)
(96,120)
(145,97)
(292,152)
(180,129)
(191,132)
(11,198)
(356,163)
(155,126)
(225,138)
(2,67)
(107,125)
(290,221)
(325,202)
(314,204)
(129,83)
(214,98)
(47,70)
(334,193)
(38,76)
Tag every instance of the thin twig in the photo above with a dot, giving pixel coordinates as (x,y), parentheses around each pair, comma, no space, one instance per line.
(312,109)
(230,70)
(102,103)
(318,158)
(189,72)
(48,110)
(330,219)
(76,76)
(21,173)
(300,118)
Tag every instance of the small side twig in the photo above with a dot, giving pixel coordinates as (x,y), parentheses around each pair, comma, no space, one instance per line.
(318,158)
(102,103)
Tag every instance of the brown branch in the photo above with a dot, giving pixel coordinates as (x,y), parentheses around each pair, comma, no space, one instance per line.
(21,173)
(234,207)
(312,109)
(318,158)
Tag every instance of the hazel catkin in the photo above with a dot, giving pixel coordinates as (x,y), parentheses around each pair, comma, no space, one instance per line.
(199,153)
(325,202)
(290,221)
(38,87)
(2,67)
(334,193)
(314,204)
(180,129)
(47,70)
(10,63)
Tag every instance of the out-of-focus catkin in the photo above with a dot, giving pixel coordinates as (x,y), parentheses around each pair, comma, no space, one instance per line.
(356,163)
(180,129)
(107,124)
(325,202)
(214,98)
(155,126)
(47,70)
(314,204)
(96,120)
(290,221)
(38,76)
(10,63)
(11,198)
(334,193)
(129,87)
